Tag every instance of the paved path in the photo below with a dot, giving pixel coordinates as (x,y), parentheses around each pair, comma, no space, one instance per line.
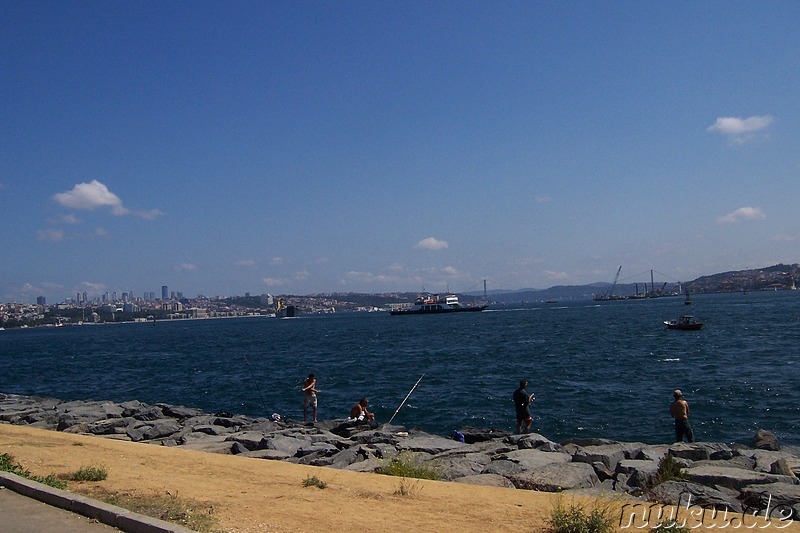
(20,514)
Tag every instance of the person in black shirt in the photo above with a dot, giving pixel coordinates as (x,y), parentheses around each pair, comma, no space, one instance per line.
(522,401)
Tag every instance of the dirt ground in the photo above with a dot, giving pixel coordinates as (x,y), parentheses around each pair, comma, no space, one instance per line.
(256,495)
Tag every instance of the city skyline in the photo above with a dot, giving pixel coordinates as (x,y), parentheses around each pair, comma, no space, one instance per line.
(302,148)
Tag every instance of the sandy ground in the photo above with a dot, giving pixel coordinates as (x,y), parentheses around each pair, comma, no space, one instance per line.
(260,495)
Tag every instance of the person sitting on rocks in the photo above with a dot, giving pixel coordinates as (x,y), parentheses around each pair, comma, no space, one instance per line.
(359,412)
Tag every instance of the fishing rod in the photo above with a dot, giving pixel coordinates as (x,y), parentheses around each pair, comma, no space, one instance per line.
(406,398)
(263,403)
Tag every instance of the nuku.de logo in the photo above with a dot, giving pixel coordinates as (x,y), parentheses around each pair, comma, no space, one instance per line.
(641,515)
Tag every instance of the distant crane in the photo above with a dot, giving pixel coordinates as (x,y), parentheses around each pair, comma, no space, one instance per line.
(614,285)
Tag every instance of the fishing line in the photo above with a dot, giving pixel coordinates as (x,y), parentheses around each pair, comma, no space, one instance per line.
(263,403)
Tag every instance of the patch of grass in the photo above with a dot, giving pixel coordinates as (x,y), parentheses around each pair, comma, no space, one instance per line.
(575,518)
(314,481)
(671,527)
(668,470)
(7,464)
(87,473)
(77,444)
(409,465)
(407,488)
(192,514)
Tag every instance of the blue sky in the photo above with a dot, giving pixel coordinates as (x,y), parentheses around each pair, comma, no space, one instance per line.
(302,147)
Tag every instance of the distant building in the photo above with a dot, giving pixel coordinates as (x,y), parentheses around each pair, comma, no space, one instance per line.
(164,292)
(40,300)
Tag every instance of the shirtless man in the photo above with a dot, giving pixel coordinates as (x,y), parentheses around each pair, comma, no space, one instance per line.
(310,396)
(679,409)
(360,413)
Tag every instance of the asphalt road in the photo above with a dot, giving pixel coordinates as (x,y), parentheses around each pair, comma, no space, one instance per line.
(20,514)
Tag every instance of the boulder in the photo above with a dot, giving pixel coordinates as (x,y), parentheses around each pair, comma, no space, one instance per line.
(178,411)
(473,435)
(502,467)
(288,445)
(734,478)
(486,480)
(697,451)
(533,460)
(274,455)
(686,493)
(765,440)
(638,473)
(556,477)
(109,426)
(161,429)
(608,454)
(429,444)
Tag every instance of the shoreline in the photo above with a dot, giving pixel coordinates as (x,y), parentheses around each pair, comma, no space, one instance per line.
(737,477)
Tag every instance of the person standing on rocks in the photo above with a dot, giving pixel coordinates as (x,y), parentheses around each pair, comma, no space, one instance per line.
(522,402)
(679,409)
(310,396)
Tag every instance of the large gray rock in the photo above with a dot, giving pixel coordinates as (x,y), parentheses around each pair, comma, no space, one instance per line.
(178,411)
(557,477)
(778,500)
(429,444)
(486,480)
(533,460)
(161,429)
(765,440)
(697,451)
(284,444)
(457,466)
(639,473)
(686,493)
(608,454)
(734,478)
(503,467)
(109,426)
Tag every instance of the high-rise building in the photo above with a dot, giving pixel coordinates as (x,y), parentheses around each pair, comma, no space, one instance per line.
(164,292)
(40,300)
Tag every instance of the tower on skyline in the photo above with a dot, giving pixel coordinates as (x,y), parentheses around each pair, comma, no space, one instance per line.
(164,292)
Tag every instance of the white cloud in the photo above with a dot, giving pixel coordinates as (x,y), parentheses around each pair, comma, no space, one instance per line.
(738,126)
(277,261)
(91,288)
(184,267)
(451,271)
(90,196)
(368,277)
(249,263)
(431,243)
(69,219)
(149,215)
(273,282)
(740,130)
(556,275)
(543,199)
(101,232)
(743,213)
(50,235)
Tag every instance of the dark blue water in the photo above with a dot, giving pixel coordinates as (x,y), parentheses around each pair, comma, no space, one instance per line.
(598,369)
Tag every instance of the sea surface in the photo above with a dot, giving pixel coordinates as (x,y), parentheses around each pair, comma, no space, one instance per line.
(598,369)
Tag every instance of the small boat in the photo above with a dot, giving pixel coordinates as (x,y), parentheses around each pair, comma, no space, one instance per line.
(686,322)
(427,304)
(284,311)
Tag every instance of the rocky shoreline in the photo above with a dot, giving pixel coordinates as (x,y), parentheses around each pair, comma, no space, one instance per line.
(734,477)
